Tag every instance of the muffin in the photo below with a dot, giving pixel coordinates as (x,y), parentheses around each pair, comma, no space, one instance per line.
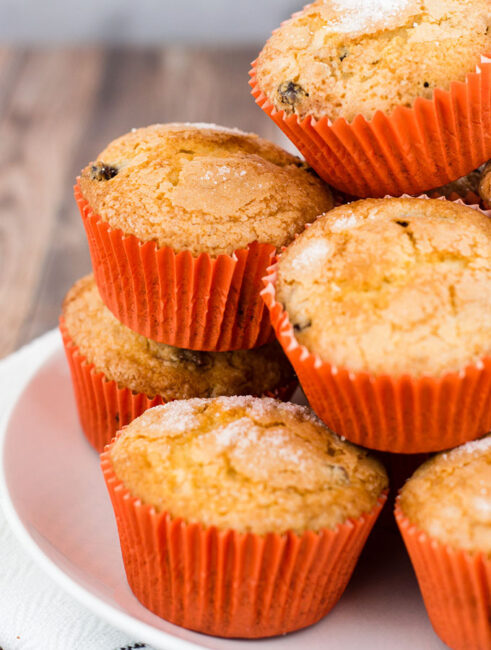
(367,83)
(261,513)
(444,514)
(384,308)
(117,374)
(182,221)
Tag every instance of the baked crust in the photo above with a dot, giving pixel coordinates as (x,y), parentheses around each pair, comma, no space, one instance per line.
(203,188)
(250,464)
(392,286)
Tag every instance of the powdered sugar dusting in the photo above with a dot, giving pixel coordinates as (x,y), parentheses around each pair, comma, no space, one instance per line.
(355,16)
(346,222)
(261,407)
(237,432)
(242,435)
(481,446)
(184,415)
(312,256)
(177,416)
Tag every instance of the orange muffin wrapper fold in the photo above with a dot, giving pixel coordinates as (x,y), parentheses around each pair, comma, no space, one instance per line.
(455,585)
(408,415)
(198,303)
(407,151)
(231,584)
(104,408)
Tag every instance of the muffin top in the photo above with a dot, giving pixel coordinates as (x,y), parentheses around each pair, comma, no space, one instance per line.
(251,464)
(449,497)
(145,366)
(340,58)
(485,185)
(202,188)
(392,286)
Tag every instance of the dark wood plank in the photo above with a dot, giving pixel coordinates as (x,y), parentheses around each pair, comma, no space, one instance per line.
(39,124)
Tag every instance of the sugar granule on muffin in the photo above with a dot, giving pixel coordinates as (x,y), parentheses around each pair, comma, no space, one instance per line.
(340,58)
(202,188)
(152,368)
(254,465)
(392,286)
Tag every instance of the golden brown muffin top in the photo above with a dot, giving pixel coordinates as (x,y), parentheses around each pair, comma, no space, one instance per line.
(449,497)
(250,464)
(485,185)
(392,286)
(203,188)
(339,58)
(145,366)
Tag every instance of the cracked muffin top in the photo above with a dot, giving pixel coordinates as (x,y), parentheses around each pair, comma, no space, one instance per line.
(449,497)
(251,464)
(203,188)
(392,286)
(145,366)
(340,58)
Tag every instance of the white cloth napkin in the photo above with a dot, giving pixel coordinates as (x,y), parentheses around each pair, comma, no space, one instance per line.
(35,613)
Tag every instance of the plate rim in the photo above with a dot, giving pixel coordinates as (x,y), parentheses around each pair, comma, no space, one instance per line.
(122,621)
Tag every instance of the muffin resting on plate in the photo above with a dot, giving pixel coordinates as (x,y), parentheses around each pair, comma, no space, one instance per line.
(444,513)
(183,220)
(144,371)
(239,481)
(340,59)
(397,289)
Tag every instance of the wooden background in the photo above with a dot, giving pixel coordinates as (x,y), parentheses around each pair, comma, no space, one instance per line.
(58,109)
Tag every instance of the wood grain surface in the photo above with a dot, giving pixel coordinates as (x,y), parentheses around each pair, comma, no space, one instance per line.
(58,109)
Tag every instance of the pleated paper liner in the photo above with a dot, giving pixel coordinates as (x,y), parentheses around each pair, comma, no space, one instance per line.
(456,588)
(198,303)
(408,151)
(104,407)
(232,584)
(409,415)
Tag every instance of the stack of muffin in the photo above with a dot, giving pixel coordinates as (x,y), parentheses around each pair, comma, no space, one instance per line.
(244,516)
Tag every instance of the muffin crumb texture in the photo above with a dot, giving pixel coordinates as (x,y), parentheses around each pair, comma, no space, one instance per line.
(146,366)
(203,188)
(249,464)
(449,497)
(340,58)
(392,286)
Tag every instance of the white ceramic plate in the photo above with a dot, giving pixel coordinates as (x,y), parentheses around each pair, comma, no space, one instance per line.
(56,502)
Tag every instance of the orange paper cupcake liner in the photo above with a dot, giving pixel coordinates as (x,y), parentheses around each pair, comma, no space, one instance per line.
(436,141)
(232,584)
(104,407)
(405,414)
(456,587)
(198,303)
